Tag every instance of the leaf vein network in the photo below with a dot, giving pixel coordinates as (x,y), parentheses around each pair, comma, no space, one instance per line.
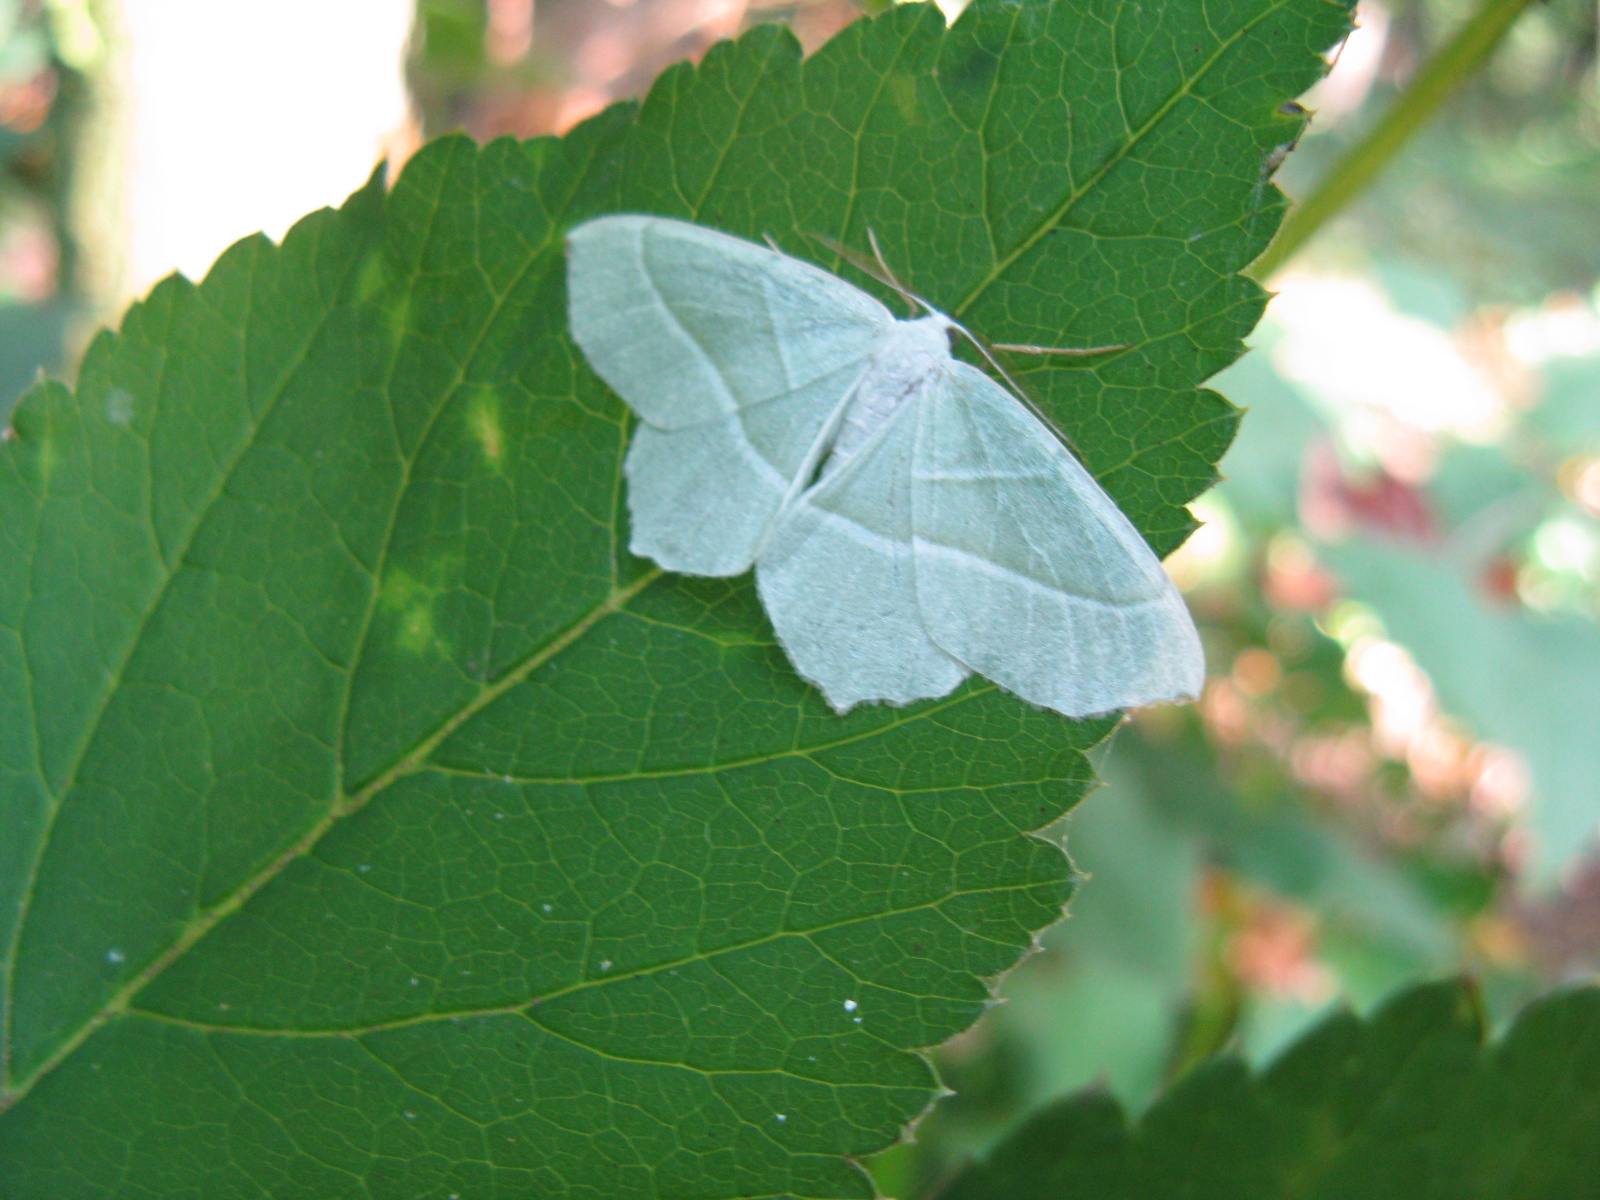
(1052,218)
(114,679)
(696,958)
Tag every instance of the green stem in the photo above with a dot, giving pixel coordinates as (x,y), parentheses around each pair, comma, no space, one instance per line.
(1448,69)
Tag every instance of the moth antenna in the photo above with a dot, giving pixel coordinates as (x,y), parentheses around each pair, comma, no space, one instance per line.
(1075,351)
(867,267)
(884,275)
(1016,390)
(888,271)
(850,256)
(772,242)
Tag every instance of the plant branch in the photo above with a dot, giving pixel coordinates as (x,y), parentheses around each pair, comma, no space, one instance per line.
(1452,65)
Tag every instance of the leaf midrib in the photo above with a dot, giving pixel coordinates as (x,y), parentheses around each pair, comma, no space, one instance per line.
(343,803)
(120,999)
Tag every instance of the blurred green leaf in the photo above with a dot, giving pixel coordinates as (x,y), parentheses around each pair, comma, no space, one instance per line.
(24,42)
(31,338)
(1405,1105)
(1100,1003)
(1567,419)
(1272,840)
(1136,903)
(1521,679)
(1261,471)
(450,35)
(378,827)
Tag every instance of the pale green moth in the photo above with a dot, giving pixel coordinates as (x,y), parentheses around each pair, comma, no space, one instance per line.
(910,521)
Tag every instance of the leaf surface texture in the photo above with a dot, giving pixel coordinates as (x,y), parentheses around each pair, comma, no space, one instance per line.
(376,827)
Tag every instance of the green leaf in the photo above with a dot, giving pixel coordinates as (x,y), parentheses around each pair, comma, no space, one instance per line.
(378,827)
(1524,680)
(1407,1105)
(1261,833)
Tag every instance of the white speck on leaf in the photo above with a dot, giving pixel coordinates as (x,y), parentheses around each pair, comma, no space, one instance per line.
(850,1006)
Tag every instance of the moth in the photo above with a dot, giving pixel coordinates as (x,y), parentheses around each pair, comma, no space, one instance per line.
(910,521)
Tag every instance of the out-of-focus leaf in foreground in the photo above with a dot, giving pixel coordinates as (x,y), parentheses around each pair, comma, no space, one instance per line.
(1406,1104)
(375,826)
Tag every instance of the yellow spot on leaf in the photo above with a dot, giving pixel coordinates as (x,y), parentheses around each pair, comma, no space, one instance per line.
(416,629)
(903,91)
(413,601)
(399,316)
(483,419)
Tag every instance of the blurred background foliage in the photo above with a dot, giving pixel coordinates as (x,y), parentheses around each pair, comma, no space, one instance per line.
(41,97)
(1395,770)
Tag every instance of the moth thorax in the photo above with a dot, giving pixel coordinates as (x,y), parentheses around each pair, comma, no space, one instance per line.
(910,354)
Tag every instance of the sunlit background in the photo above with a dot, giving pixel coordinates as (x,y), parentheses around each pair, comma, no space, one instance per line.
(1395,769)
